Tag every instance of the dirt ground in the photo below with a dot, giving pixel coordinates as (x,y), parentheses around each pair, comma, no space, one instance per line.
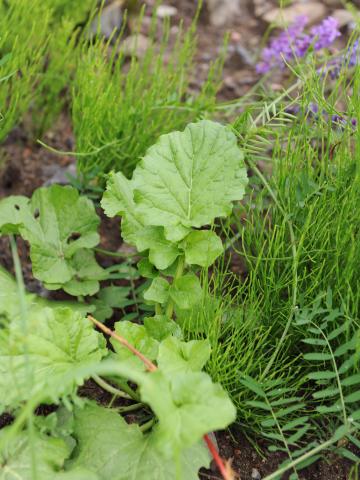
(27,166)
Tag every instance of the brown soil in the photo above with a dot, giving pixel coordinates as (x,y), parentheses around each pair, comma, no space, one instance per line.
(27,166)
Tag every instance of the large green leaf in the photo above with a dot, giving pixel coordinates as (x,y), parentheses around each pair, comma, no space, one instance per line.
(58,340)
(65,224)
(61,227)
(190,177)
(46,453)
(115,450)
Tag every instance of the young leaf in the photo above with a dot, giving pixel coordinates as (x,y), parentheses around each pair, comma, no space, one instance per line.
(190,405)
(118,199)
(161,327)
(158,291)
(190,177)
(162,253)
(177,356)
(186,291)
(114,450)
(202,247)
(138,336)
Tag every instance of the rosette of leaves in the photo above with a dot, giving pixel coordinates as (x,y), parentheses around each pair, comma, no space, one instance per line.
(184,182)
(61,228)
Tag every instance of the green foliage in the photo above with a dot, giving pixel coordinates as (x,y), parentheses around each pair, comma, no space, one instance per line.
(111,448)
(121,106)
(58,340)
(185,180)
(37,53)
(61,228)
(18,456)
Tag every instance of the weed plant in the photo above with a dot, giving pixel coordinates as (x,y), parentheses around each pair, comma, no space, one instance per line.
(122,102)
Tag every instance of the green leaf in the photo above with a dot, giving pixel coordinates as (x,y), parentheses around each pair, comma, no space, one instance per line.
(114,450)
(118,199)
(146,268)
(353,397)
(177,356)
(138,336)
(162,253)
(49,455)
(202,247)
(189,406)
(109,298)
(59,340)
(328,392)
(14,212)
(186,291)
(189,178)
(253,385)
(161,327)
(318,357)
(351,380)
(87,276)
(158,292)
(321,375)
(9,300)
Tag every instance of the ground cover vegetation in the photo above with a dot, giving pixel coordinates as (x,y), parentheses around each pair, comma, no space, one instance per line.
(183,343)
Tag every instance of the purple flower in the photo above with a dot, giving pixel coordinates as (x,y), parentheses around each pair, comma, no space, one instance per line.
(326,33)
(288,44)
(294,42)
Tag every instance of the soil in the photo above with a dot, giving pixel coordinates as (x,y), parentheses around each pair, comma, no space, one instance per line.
(27,166)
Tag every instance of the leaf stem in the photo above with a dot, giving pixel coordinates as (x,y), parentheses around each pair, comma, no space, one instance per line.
(109,253)
(148,364)
(146,426)
(179,271)
(109,388)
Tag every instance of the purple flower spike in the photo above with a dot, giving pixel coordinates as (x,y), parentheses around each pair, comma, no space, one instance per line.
(325,33)
(294,42)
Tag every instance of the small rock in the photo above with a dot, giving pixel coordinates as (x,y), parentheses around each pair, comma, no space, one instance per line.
(58,174)
(344,17)
(255,474)
(222,12)
(164,11)
(110,19)
(135,45)
(314,11)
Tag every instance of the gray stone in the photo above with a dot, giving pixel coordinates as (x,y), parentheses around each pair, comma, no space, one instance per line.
(314,11)
(222,12)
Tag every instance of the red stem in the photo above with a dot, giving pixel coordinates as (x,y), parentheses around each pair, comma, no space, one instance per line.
(225,472)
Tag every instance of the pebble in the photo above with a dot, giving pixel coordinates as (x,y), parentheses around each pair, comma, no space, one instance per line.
(110,19)
(164,11)
(255,474)
(135,45)
(344,17)
(222,12)
(315,11)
